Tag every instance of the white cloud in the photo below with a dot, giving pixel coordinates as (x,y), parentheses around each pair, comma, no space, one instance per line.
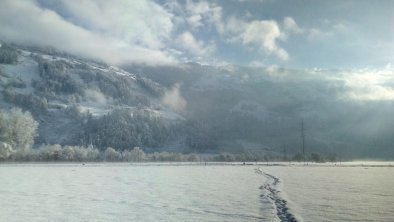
(97,96)
(291,26)
(367,85)
(195,21)
(264,34)
(261,34)
(126,20)
(272,69)
(364,84)
(257,63)
(189,43)
(99,35)
(173,99)
(328,29)
(233,25)
(203,13)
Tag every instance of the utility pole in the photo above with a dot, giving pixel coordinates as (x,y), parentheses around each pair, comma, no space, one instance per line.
(284,153)
(303,139)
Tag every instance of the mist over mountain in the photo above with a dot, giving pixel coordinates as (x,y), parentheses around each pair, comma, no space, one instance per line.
(259,107)
(199,108)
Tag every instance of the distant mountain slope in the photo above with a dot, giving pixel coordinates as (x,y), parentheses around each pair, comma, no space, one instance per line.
(252,108)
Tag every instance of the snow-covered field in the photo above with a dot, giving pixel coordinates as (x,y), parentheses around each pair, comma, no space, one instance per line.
(184,192)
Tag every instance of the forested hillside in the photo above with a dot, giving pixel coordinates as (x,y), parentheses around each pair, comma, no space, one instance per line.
(80,102)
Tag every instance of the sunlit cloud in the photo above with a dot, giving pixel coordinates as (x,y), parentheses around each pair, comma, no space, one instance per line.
(363,84)
(169,32)
(27,23)
(196,47)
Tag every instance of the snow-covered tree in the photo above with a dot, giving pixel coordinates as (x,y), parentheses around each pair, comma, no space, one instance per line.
(17,128)
(92,154)
(110,154)
(50,152)
(137,154)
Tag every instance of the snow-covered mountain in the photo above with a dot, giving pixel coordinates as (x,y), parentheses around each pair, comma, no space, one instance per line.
(62,91)
(193,107)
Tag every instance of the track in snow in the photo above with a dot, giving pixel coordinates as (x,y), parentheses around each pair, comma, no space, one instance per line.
(273,194)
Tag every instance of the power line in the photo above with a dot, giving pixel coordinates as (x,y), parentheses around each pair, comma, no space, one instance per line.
(303,138)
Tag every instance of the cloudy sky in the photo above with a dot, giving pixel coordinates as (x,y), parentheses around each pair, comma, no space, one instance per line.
(294,34)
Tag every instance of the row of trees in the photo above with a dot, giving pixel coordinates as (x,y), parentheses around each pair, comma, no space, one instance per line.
(75,153)
(91,154)
(312,157)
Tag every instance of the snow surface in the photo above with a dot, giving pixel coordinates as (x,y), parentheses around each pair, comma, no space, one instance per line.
(354,192)
(123,192)
(195,192)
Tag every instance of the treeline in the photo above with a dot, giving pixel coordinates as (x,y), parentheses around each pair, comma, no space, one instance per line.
(313,157)
(60,153)
(73,154)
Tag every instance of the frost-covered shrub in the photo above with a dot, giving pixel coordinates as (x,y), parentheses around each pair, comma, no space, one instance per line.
(166,156)
(25,155)
(50,152)
(92,154)
(66,153)
(110,154)
(193,157)
(136,154)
